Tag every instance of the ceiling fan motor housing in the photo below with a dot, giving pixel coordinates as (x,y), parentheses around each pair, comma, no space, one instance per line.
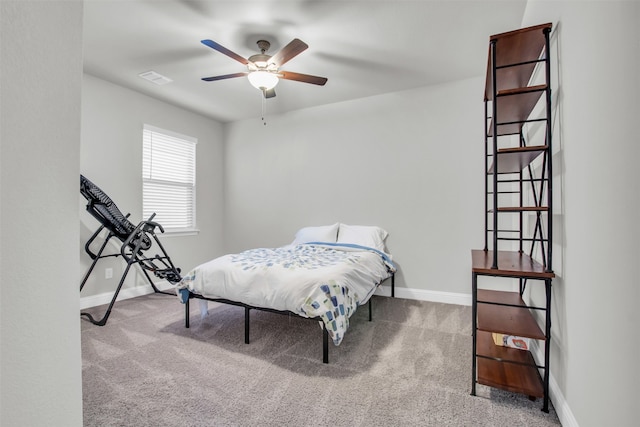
(263,45)
(260,61)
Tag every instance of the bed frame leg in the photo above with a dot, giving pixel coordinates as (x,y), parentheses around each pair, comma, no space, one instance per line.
(393,285)
(246,325)
(370,306)
(186,314)
(325,344)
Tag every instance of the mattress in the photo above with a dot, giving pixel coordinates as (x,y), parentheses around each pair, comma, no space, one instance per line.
(328,281)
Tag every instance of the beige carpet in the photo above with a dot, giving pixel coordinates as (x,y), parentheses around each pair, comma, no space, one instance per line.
(410,366)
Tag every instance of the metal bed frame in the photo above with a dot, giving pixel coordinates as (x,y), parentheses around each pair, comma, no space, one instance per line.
(135,242)
(187,295)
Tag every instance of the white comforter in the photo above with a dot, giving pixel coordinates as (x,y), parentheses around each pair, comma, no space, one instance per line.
(313,280)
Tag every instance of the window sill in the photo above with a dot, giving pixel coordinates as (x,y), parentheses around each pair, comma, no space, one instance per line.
(180,233)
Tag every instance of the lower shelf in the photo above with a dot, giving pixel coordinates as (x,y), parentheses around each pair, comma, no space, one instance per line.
(513,319)
(520,377)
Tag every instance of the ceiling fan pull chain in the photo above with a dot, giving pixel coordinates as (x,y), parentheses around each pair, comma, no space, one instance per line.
(264,106)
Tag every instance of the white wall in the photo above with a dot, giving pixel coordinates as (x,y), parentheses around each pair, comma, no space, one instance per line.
(111,157)
(597,258)
(385,160)
(410,162)
(41,57)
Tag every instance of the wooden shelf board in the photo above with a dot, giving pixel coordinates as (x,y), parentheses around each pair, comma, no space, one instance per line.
(506,319)
(517,150)
(516,107)
(525,90)
(513,160)
(514,47)
(527,36)
(523,209)
(510,264)
(518,378)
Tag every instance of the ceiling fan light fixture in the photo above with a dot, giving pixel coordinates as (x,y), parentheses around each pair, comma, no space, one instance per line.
(263,80)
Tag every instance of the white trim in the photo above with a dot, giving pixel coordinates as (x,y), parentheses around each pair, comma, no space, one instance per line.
(555,394)
(180,233)
(126,293)
(424,295)
(560,405)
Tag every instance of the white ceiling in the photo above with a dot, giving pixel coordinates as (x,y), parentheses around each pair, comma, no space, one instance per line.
(364,47)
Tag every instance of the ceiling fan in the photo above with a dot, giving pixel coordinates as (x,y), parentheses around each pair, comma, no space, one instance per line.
(263,71)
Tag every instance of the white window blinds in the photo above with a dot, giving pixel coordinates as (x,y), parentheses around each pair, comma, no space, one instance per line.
(169,179)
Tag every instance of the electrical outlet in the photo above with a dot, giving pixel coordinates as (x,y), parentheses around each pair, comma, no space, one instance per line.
(108,273)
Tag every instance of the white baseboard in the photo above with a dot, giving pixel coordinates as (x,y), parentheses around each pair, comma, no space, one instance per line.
(555,394)
(126,293)
(560,405)
(407,293)
(424,295)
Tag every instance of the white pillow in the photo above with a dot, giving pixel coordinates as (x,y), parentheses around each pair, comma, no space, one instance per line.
(323,233)
(363,235)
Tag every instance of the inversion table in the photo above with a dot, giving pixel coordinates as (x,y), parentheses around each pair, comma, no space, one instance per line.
(135,243)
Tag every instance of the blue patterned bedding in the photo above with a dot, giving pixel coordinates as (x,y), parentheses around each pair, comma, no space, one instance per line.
(322,280)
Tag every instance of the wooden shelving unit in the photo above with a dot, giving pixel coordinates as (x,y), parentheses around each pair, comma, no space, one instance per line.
(517,183)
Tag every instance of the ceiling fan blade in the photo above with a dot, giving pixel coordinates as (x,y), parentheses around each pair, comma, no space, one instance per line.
(225,76)
(270,93)
(305,78)
(222,49)
(294,48)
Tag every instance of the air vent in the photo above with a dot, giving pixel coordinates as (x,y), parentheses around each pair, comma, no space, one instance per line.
(156,78)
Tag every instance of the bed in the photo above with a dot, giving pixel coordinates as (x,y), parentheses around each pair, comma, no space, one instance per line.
(325,274)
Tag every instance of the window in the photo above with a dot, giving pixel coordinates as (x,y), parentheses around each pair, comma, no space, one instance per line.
(169,179)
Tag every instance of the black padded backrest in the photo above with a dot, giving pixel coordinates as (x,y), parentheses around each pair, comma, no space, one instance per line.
(105,210)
